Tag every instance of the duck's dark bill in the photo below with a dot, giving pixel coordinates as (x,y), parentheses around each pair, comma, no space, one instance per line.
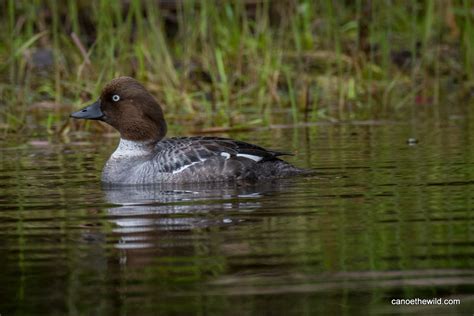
(91,112)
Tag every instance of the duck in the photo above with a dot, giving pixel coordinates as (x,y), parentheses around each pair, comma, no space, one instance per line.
(145,156)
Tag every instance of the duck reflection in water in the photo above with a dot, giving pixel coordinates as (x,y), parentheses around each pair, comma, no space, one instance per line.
(168,215)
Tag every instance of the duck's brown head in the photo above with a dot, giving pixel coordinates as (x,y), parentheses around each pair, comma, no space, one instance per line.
(126,105)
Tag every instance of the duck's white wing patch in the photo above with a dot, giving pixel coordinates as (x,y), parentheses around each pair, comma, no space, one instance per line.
(225,155)
(187,166)
(252,157)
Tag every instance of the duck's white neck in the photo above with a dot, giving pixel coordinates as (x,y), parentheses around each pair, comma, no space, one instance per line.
(130,148)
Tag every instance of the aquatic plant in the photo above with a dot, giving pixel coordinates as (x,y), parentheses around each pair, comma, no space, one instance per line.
(235,63)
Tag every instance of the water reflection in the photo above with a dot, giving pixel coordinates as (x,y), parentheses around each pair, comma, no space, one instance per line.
(141,211)
(384,220)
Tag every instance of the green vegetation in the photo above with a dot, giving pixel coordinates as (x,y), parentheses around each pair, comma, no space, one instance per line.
(235,63)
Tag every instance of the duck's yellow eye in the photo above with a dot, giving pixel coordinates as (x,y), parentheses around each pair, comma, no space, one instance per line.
(115,97)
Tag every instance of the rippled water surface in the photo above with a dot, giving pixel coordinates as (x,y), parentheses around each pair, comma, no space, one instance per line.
(381,220)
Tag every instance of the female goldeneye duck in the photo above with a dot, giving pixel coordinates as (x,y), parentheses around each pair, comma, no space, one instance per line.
(144,156)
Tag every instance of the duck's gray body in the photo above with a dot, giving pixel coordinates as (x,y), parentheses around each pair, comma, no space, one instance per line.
(193,160)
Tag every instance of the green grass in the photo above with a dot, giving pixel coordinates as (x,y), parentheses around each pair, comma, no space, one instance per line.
(236,63)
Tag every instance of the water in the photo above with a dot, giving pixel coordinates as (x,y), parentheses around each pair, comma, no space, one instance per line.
(381,220)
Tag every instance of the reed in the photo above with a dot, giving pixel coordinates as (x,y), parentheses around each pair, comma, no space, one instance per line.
(225,63)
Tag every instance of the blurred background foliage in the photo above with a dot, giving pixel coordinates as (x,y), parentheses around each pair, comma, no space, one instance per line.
(235,64)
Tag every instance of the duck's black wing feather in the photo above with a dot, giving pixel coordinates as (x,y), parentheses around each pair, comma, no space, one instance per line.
(237,147)
(176,153)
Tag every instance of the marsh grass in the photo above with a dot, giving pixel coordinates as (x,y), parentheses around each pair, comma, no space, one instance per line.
(235,63)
